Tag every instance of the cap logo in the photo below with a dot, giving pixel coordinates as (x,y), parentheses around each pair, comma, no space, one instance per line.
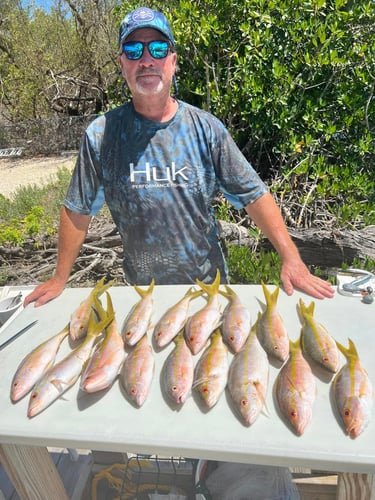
(143,15)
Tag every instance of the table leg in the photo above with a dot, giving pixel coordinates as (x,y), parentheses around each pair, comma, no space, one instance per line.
(358,486)
(32,472)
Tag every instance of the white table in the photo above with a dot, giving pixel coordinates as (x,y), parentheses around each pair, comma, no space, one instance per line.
(107,421)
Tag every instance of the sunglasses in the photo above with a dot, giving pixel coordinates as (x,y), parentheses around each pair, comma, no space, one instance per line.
(158,49)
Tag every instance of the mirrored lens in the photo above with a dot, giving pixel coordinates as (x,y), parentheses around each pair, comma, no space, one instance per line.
(133,50)
(157,48)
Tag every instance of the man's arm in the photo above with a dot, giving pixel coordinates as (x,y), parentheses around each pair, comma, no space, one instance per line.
(294,273)
(72,234)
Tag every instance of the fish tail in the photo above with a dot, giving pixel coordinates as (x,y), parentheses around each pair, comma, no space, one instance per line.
(306,310)
(229,293)
(212,289)
(350,352)
(149,290)
(101,287)
(94,327)
(192,293)
(294,345)
(179,337)
(215,336)
(271,297)
(110,310)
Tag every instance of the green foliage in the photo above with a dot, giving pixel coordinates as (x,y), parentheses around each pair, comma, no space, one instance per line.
(246,266)
(294,83)
(17,230)
(292,80)
(366,264)
(33,211)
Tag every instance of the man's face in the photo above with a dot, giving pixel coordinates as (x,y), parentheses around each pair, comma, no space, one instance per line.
(148,76)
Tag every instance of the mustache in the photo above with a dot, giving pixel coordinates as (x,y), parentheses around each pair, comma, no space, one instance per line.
(148,72)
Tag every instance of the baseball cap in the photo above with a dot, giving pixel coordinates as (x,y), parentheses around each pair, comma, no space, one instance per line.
(144,17)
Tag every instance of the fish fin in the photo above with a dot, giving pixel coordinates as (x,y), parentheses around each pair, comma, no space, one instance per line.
(261,396)
(306,310)
(94,327)
(265,411)
(271,297)
(212,289)
(110,309)
(98,308)
(311,308)
(179,337)
(101,287)
(192,293)
(216,334)
(199,381)
(350,352)
(149,290)
(295,345)
(229,293)
(59,384)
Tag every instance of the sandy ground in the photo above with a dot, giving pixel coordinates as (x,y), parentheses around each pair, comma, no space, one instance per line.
(19,172)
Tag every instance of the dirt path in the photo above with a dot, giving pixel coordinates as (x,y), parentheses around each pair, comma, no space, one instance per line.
(19,172)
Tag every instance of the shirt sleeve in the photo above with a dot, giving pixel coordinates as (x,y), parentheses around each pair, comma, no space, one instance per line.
(237,179)
(85,194)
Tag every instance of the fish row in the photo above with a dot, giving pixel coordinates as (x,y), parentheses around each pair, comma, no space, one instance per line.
(100,357)
(247,376)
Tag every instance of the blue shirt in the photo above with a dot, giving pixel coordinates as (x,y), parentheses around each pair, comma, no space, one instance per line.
(159,181)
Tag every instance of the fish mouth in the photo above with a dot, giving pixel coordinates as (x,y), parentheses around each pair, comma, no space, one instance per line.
(180,398)
(34,410)
(250,416)
(17,394)
(94,385)
(354,429)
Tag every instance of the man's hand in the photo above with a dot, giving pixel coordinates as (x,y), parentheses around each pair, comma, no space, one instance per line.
(295,275)
(45,292)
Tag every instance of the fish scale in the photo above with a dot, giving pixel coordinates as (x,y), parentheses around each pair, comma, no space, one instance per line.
(138,320)
(63,375)
(178,372)
(248,379)
(172,322)
(35,364)
(200,325)
(316,341)
(353,392)
(106,362)
(296,389)
(271,330)
(80,317)
(138,370)
(236,321)
(211,372)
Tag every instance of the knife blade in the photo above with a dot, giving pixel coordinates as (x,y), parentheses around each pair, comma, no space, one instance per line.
(20,332)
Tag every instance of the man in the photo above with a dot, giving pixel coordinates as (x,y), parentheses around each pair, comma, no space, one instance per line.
(158,163)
